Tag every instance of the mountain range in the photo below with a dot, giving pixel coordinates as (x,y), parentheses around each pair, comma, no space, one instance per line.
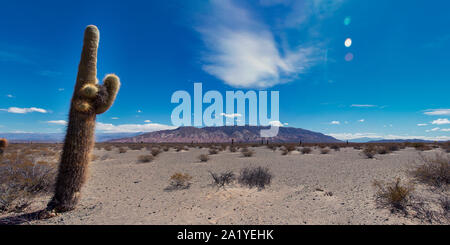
(227,134)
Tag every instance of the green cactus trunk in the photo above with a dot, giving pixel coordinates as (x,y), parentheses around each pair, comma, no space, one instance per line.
(88,100)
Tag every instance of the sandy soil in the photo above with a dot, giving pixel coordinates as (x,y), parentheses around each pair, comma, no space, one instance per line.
(122,191)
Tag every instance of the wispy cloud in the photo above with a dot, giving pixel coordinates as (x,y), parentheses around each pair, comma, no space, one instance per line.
(147,121)
(131,128)
(350,136)
(58,122)
(361,120)
(242,51)
(17,110)
(437,112)
(432,130)
(10,96)
(362,105)
(335,122)
(422,124)
(231,115)
(441,121)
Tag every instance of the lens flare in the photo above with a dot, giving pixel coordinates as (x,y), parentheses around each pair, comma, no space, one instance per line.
(349,57)
(348,42)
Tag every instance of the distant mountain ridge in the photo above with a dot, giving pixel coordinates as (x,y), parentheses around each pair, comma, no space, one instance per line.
(226,134)
(58,137)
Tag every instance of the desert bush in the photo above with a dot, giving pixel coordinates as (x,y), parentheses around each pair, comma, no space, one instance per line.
(222,179)
(203,157)
(324,151)
(122,150)
(155,151)
(23,178)
(446,146)
(272,147)
(145,158)
(255,177)
(393,147)
(421,146)
(135,147)
(435,171)
(108,148)
(213,151)
(179,181)
(382,150)
(233,148)
(369,152)
(247,152)
(393,195)
(165,148)
(335,147)
(306,150)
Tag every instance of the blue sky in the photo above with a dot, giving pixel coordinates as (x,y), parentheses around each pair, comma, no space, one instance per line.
(391,82)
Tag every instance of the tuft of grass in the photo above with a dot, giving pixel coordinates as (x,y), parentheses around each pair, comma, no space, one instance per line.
(145,158)
(435,171)
(395,195)
(108,148)
(222,179)
(122,150)
(255,177)
(203,158)
(179,181)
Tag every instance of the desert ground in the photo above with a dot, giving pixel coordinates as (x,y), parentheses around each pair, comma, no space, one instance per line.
(313,189)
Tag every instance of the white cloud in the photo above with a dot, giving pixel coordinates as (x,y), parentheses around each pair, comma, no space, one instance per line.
(432,130)
(17,110)
(335,122)
(139,111)
(362,105)
(231,115)
(131,128)
(58,122)
(243,52)
(422,124)
(276,124)
(437,112)
(114,118)
(10,96)
(60,89)
(147,121)
(350,136)
(441,121)
(361,120)
(445,130)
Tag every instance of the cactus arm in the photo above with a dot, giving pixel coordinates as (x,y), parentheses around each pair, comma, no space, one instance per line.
(107,94)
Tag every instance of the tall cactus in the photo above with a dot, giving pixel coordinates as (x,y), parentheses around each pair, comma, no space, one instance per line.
(88,100)
(3,145)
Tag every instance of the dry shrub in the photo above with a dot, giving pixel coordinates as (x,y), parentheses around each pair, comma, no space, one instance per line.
(155,151)
(108,148)
(369,151)
(255,177)
(179,181)
(306,150)
(165,148)
(393,147)
(145,158)
(233,149)
(435,171)
(122,150)
(382,150)
(324,151)
(393,195)
(203,158)
(272,147)
(421,146)
(222,179)
(335,147)
(23,178)
(247,152)
(213,151)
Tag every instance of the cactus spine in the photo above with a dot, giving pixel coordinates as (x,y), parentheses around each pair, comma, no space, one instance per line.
(3,145)
(88,100)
